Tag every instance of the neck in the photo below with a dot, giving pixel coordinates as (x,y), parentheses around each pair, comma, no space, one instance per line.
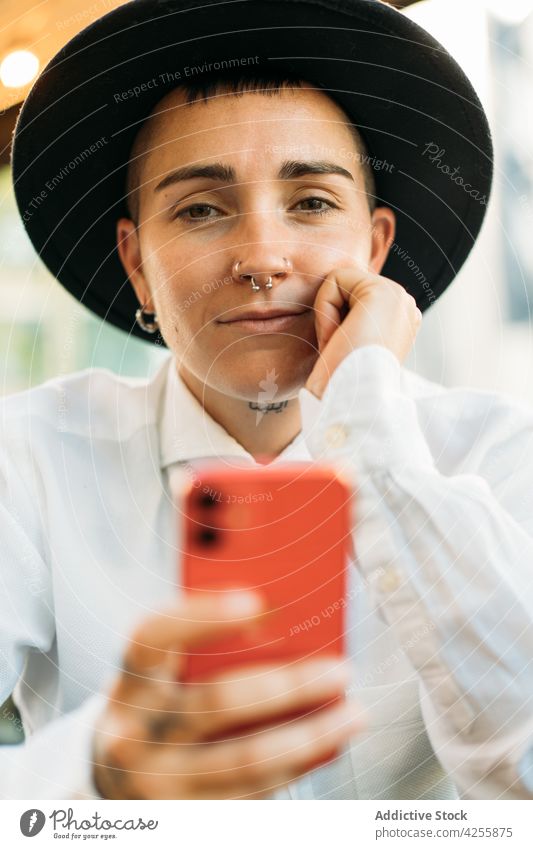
(263,429)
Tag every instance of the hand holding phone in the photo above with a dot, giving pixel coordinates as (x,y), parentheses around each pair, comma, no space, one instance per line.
(150,741)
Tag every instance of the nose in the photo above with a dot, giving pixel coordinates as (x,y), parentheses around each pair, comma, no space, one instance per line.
(261,247)
(272,268)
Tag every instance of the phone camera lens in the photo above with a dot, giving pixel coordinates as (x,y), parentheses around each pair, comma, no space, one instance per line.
(207,500)
(207,536)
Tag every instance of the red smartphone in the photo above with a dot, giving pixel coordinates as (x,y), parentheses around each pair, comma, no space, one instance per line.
(285,532)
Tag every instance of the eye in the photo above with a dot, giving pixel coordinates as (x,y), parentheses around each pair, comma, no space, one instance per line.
(330,205)
(196,206)
(184,213)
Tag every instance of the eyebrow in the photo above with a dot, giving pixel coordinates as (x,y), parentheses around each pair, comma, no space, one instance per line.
(289,170)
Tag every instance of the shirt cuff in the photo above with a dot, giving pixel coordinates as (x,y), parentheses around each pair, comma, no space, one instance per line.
(366,413)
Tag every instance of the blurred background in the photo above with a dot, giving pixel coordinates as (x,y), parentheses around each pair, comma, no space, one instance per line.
(477,334)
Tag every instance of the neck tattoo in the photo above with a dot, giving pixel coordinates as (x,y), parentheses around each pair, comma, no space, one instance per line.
(268,408)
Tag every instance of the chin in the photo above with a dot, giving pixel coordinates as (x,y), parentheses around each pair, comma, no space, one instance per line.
(245,371)
(270,382)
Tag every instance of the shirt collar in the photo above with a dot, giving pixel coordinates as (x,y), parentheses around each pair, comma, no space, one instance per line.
(188,432)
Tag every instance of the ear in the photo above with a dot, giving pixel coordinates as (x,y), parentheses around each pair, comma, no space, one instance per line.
(129,251)
(383,230)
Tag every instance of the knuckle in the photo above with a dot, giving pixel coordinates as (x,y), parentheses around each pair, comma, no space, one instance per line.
(211,761)
(159,724)
(254,759)
(395,287)
(277,684)
(310,683)
(138,634)
(323,725)
(118,750)
(215,698)
(253,772)
(406,302)
(330,723)
(301,739)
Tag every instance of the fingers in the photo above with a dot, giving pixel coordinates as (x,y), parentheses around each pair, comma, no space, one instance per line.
(380,311)
(338,294)
(328,309)
(260,693)
(194,620)
(164,712)
(286,748)
(345,287)
(258,762)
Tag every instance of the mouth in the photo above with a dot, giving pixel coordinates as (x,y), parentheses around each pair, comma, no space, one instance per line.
(266,321)
(263,314)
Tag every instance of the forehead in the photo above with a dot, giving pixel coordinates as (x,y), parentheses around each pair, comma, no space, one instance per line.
(276,125)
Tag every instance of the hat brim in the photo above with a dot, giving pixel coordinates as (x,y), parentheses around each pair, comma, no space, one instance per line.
(75,130)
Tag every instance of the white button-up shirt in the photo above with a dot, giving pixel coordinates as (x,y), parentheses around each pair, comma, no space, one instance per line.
(440,600)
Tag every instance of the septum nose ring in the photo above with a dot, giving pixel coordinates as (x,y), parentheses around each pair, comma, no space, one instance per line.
(255,286)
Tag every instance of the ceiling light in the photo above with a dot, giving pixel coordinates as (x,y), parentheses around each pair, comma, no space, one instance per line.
(18,68)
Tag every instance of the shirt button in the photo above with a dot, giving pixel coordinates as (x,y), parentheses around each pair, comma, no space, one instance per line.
(336,436)
(390,581)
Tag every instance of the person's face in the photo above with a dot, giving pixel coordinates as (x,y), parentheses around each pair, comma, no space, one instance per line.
(192,232)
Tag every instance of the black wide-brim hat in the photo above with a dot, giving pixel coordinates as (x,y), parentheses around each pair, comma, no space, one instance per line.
(427,134)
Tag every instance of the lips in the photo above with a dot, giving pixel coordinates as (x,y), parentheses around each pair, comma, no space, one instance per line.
(284,323)
(262,315)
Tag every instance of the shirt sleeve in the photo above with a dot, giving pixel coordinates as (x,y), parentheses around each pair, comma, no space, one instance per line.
(449,566)
(55,761)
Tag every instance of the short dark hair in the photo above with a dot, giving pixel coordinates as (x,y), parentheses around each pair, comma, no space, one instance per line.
(239,84)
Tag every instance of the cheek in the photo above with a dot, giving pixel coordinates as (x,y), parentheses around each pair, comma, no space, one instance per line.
(349,239)
(172,290)
(357,236)
(185,325)
(180,281)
